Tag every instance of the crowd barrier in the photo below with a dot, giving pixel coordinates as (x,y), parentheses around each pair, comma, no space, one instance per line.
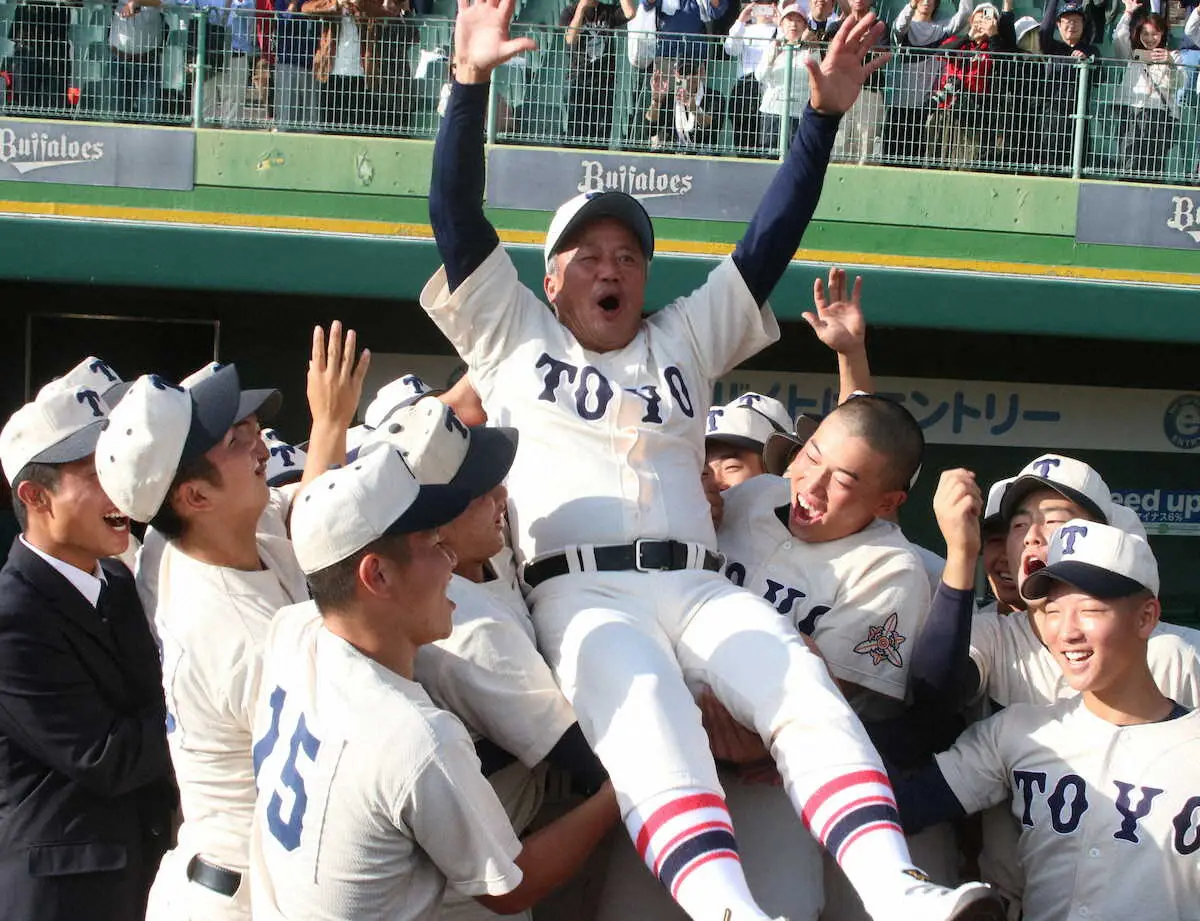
(388,76)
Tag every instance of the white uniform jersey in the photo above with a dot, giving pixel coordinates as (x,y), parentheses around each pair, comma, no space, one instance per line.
(273,522)
(490,675)
(622,431)
(212,622)
(1014,667)
(370,797)
(934,567)
(863,599)
(1109,815)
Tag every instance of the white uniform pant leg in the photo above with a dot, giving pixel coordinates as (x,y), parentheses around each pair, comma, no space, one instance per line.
(762,671)
(601,634)
(174,898)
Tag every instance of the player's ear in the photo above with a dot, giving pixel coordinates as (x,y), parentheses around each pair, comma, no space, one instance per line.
(1149,613)
(372,574)
(192,495)
(890,502)
(35,496)
(550,285)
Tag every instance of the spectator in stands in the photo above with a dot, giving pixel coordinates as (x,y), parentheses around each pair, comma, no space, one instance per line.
(1019,90)
(231,47)
(682,29)
(346,60)
(962,124)
(821,22)
(749,38)
(296,96)
(696,118)
(1060,95)
(772,72)
(915,73)
(863,124)
(41,56)
(1152,79)
(592,66)
(134,73)
(1190,55)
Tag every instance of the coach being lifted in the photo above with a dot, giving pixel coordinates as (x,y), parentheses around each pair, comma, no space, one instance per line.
(608,513)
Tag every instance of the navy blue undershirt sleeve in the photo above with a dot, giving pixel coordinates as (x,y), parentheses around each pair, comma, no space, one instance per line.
(924,798)
(573,754)
(787,207)
(464,235)
(941,658)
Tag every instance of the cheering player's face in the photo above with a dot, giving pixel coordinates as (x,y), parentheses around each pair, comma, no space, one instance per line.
(1039,515)
(1100,645)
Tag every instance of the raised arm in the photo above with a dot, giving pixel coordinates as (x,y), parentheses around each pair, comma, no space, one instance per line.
(463,233)
(941,660)
(838,322)
(1046,29)
(335,382)
(1191,28)
(1122,45)
(785,211)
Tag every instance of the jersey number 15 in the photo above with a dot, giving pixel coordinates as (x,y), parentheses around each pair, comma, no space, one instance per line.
(286,830)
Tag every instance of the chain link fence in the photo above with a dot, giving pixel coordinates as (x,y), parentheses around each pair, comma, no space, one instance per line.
(343,72)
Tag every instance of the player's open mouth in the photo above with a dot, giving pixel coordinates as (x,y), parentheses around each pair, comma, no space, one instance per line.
(117,521)
(1031,564)
(610,303)
(1005,577)
(804,513)
(1077,655)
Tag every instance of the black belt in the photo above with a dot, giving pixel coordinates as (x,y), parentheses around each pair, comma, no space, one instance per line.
(210,876)
(640,556)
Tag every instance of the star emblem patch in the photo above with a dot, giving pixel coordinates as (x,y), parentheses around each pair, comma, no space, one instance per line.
(883,642)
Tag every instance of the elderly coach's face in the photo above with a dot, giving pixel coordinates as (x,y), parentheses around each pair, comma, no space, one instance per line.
(598,285)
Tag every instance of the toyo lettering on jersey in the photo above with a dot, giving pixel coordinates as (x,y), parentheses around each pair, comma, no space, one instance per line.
(591,392)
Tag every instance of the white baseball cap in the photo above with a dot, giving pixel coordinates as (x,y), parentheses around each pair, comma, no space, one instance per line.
(791,9)
(1127,520)
(441,449)
(347,508)
(1071,478)
(96,374)
(781,447)
(585,208)
(992,519)
(60,426)
(158,427)
(747,421)
(1024,26)
(286,463)
(1102,561)
(403,391)
(264,403)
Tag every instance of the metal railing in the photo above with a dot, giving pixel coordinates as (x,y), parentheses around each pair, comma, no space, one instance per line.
(348,73)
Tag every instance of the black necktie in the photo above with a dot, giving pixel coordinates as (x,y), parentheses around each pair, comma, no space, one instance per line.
(102,601)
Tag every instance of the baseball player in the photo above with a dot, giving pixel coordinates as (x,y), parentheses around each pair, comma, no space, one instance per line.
(1102,784)
(820,548)
(371,801)
(1006,597)
(607,507)
(736,434)
(190,461)
(488,672)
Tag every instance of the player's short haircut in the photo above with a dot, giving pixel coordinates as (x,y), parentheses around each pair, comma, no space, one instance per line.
(334,586)
(47,476)
(167,522)
(890,430)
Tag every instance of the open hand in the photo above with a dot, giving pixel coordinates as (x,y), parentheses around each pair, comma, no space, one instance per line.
(838,320)
(481,39)
(836,81)
(335,379)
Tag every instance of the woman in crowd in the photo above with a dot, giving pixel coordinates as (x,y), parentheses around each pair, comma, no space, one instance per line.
(788,50)
(1152,81)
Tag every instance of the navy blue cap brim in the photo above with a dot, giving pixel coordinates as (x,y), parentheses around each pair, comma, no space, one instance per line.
(738,441)
(264,404)
(433,507)
(75,446)
(1022,486)
(489,458)
(216,401)
(618,206)
(1090,579)
(287,477)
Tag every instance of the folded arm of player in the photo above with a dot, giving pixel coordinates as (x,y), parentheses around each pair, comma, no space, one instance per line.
(551,856)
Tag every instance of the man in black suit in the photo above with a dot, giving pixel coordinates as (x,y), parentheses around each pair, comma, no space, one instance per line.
(86,790)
